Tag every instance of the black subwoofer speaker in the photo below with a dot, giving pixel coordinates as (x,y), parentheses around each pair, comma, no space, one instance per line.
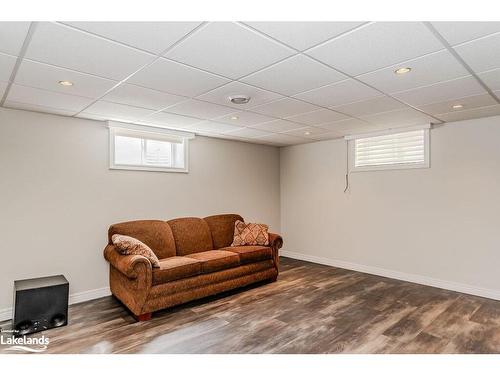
(40,304)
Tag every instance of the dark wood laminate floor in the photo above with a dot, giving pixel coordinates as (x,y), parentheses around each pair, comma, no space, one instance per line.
(310,309)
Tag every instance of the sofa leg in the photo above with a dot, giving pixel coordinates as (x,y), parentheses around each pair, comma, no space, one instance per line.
(143,317)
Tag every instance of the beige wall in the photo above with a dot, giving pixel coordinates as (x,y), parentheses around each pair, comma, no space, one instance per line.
(58,196)
(438,226)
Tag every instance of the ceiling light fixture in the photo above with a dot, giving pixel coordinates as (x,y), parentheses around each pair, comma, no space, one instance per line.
(402,70)
(239,99)
(307,133)
(66,83)
(234,118)
(458,106)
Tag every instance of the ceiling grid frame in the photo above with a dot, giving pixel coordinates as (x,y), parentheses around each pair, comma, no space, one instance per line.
(304,52)
(20,58)
(297,52)
(455,54)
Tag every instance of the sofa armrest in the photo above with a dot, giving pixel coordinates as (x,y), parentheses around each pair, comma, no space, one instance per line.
(275,241)
(130,265)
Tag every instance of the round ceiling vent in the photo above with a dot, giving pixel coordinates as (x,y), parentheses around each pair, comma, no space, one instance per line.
(239,99)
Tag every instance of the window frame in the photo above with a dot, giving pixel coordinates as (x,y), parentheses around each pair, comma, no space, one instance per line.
(145,132)
(399,166)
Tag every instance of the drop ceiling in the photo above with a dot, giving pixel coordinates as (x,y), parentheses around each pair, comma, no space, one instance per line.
(307,81)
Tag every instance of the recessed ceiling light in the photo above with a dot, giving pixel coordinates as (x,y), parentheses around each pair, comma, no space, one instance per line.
(234,118)
(458,106)
(307,133)
(66,83)
(239,99)
(402,70)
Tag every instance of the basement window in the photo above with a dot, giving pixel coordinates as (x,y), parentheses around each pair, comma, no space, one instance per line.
(148,149)
(395,149)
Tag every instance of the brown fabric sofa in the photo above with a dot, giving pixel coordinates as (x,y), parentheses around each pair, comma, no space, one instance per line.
(196,260)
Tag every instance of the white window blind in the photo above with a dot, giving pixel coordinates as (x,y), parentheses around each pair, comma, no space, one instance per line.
(397,150)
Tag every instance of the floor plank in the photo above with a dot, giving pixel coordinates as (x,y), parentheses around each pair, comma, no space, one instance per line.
(312,308)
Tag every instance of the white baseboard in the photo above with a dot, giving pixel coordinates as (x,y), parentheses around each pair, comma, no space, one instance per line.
(418,279)
(6,314)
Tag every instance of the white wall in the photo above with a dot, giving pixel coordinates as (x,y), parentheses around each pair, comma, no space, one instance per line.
(439,226)
(58,197)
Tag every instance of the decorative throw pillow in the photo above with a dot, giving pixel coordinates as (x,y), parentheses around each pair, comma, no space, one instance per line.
(131,246)
(250,234)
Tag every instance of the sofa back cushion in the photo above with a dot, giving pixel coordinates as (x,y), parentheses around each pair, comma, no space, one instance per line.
(191,234)
(154,233)
(222,228)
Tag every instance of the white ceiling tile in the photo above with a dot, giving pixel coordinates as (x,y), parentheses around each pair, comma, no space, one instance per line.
(339,93)
(426,70)
(282,139)
(142,97)
(169,120)
(493,110)
(175,78)
(318,117)
(12,35)
(376,46)
(247,133)
(294,75)
(371,106)
(468,103)
(213,127)
(265,142)
(59,45)
(37,108)
(459,32)
(228,49)
(197,108)
(481,54)
(284,108)
(328,135)
(399,118)
(115,111)
(153,37)
(491,78)
(257,96)
(244,118)
(278,126)
(303,35)
(306,132)
(47,77)
(440,92)
(33,96)
(7,63)
(344,125)
(231,137)
(364,129)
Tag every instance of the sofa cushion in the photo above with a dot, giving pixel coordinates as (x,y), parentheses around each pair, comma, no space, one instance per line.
(222,228)
(191,235)
(250,234)
(175,268)
(126,245)
(154,233)
(216,260)
(249,254)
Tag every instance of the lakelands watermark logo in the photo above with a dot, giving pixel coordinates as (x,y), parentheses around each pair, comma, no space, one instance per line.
(23,343)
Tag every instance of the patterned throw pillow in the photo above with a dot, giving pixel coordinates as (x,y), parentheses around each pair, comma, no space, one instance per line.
(250,234)
(131,246)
